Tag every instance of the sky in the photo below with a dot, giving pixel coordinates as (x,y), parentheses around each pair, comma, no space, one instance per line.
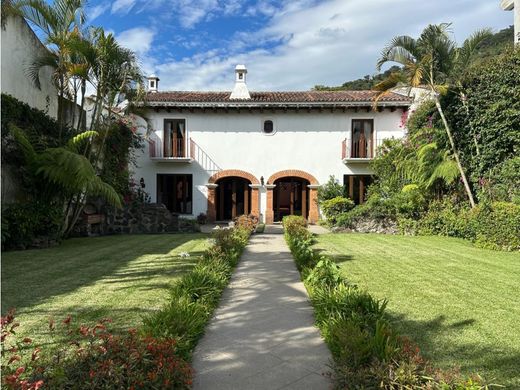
(286,45)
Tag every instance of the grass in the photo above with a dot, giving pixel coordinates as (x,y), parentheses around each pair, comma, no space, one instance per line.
(119,277)
(459,303)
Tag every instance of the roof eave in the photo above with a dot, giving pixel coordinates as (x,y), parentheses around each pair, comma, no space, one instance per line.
(398,103)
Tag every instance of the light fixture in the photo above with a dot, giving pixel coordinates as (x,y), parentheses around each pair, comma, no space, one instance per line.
(262,180)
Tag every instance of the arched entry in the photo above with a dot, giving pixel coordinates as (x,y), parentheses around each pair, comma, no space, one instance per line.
(233,197)
(232,192)
(290,197)
(292,192)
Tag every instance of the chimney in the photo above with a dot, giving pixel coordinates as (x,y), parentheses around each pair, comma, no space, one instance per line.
(240,90)
(153,83)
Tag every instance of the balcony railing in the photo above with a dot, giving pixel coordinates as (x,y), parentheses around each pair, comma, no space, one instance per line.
(172,150)
(360,150)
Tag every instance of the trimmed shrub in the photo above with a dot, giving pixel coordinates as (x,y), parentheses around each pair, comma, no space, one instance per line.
(332,208)
(194,296)
(247,222)
(367,352)
(497,226)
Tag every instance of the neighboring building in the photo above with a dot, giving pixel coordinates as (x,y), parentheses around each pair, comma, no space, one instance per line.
(266,153)
(513,5)
(20,46)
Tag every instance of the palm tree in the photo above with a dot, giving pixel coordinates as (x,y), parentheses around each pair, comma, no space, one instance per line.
(58,22)
(433,60)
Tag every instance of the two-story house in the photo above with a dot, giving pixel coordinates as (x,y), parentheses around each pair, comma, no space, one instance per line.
(265,153)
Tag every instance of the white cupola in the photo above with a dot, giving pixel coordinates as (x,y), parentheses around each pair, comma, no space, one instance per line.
(240,90)
(153,83)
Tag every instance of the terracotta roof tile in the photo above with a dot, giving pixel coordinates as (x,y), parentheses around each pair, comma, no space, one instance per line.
(273,97)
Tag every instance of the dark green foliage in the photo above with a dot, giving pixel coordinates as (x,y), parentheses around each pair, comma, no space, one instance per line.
(497,226)
(493,226)
(333,207)
(22,223)
(502,183)
(491,117)
(366,83)
(194,297)
(331,189)
(121,142)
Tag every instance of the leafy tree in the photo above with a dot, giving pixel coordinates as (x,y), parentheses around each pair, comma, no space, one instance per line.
(64,173)
(330,190)
(433,60)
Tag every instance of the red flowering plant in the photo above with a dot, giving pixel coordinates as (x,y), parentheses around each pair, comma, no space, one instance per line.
(93,357)
(19,357)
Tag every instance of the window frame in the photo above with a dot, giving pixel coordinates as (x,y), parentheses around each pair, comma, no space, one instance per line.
(187,197)
(262,127)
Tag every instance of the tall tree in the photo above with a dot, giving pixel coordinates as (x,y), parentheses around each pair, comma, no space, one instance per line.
(59,22)
(433,60)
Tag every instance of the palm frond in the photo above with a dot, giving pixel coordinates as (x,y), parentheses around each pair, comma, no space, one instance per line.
(24,143)
(32,69)
(76,141)
(470,46)
(446,171)
(98,187)
(385,87)
(401,49)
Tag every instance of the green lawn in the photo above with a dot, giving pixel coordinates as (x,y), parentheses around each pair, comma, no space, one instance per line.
(461,304)
(119,277)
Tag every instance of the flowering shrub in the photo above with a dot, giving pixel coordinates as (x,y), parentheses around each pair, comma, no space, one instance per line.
(92,358)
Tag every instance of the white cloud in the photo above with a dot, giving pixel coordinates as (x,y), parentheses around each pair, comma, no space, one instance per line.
(138,39)
(98,10)
(325,43)
(122,6)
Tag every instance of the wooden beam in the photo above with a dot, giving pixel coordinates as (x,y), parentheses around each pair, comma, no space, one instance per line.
(221,201)
(246,198)
(351,187)
(361,190)
(234,199)
(304,201)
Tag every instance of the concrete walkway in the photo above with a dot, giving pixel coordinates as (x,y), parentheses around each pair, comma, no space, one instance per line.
(262,335)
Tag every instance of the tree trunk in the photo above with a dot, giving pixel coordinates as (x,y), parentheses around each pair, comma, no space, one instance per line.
(455,152)
(80,118)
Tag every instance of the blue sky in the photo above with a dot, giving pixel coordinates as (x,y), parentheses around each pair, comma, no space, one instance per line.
(286,45)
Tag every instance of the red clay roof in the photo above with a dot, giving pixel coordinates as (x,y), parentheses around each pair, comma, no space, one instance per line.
(273,97)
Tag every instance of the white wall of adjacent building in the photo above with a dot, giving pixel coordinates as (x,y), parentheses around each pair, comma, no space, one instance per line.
(20,46)
(306,141)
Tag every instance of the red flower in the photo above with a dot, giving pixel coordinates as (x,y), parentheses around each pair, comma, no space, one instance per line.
(67,320)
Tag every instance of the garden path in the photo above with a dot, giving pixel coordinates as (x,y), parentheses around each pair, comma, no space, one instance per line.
(262,335)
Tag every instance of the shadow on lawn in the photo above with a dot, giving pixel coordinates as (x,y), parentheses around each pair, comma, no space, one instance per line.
(336,257)
(33,276)
(496,363)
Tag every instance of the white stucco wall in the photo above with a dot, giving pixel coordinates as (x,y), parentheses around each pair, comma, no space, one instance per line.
(19,47)
(311,142)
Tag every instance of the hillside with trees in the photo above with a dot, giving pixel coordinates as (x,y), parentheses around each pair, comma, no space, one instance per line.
(490,47)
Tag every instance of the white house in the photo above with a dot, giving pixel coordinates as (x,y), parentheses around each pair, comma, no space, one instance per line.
(513,5)
(265,153)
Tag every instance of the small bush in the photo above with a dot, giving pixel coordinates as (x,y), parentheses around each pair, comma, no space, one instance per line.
(293,223)
(202,219)
(334,207)
(92,358)
(330,190)
(22,223)
(247,222)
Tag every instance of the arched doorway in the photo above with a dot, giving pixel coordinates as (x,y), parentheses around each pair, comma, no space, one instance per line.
(232,192)
(290,197)
(291,192)
(233,198)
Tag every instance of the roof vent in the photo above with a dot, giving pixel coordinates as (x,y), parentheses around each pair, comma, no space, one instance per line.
(240,90)
(153,83)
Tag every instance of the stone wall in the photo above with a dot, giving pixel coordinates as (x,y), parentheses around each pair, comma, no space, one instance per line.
(384,226)
(149,218)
